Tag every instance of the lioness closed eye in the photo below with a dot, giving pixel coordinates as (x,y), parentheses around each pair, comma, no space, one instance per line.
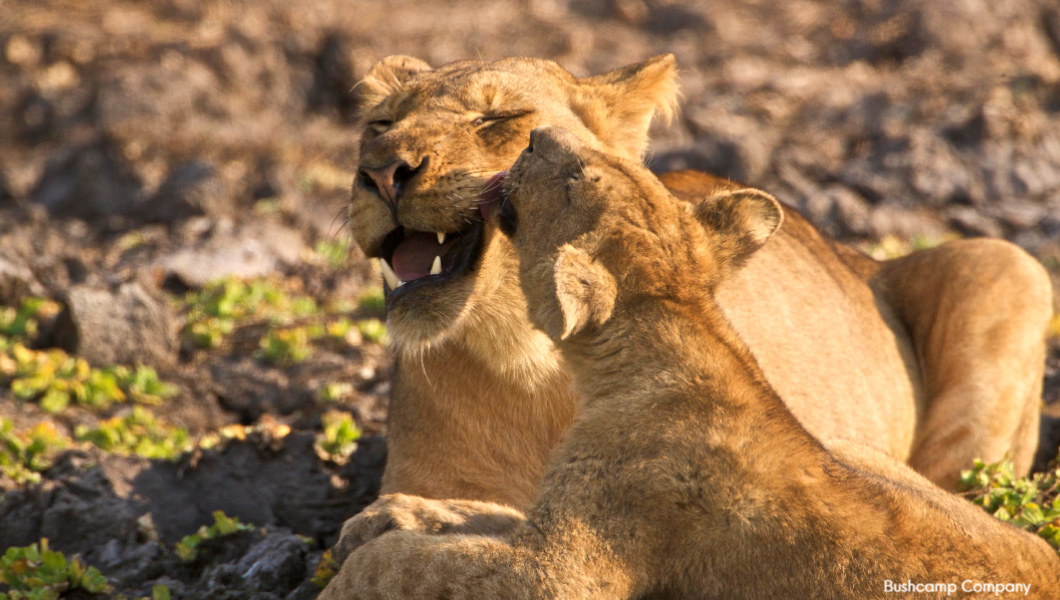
(684,475)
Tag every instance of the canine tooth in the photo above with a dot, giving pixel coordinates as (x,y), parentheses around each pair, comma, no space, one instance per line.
(436,268)
(441,237)
(391,277)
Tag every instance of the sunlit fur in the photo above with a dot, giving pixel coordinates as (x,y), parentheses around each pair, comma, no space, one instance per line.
(934,359)
(684,474)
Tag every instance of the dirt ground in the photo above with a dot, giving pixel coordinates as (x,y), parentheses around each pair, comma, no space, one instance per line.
(149,147)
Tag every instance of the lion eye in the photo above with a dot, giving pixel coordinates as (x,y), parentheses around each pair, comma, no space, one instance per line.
(479,121)
(380,125)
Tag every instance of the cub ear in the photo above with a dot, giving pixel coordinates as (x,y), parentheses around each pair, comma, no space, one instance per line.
(586,292)
(740,222)
(388,76)
(618,106)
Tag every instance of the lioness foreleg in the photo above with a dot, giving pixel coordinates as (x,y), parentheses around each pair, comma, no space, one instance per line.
(423,515)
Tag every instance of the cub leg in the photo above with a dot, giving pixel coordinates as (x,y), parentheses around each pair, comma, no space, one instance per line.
(976,311)
(423,515)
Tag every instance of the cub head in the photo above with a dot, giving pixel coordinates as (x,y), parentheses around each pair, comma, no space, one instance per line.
(431,140)
(593,231)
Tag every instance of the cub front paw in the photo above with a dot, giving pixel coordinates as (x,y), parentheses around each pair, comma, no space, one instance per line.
(423,515)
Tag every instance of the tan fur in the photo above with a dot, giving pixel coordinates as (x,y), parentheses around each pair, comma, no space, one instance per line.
(896,355)
(684,475)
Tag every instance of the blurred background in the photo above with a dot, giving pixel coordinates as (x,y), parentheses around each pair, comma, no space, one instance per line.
(184,327)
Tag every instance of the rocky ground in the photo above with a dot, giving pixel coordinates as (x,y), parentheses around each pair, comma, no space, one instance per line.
(148,149)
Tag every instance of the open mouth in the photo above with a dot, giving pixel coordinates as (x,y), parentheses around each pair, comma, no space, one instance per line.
(412,259)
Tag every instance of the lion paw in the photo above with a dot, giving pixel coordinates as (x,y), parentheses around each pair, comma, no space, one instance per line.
(423,515)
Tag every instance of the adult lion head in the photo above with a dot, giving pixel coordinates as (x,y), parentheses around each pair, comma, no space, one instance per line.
(432,139)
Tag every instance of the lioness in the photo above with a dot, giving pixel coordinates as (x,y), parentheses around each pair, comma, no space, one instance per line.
(934,359)
(684,475)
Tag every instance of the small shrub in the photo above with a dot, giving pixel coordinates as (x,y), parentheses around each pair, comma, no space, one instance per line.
(56,379)
(1032,503)
(24,456)
(137,433)
(373,300)
(339,439)
(335,392)
(187,547)
(35,572)
(289,346)
(325,570)
(373,330)
(335,251)
(211,314)
(21,324)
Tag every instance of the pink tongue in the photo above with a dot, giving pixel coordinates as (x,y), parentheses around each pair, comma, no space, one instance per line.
(414,256)
(491,195)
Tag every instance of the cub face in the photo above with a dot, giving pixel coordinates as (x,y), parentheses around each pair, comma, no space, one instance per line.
(592,229)
(431,140)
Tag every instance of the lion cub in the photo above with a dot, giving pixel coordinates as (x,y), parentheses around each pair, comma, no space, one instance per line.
(684,475)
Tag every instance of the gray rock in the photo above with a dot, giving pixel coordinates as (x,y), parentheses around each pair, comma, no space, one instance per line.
(275,563)
(126,325)
(16,282)
(89,181)
(970,222)
(258,249)
(193,189)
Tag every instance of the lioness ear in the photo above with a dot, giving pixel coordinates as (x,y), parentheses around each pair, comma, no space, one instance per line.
(740,222)
(388,76)
(618,106)
(585,290)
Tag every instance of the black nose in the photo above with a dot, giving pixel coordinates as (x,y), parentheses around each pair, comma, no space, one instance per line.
(390,181)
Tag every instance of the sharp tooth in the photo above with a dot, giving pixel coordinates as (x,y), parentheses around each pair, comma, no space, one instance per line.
(391,277)
(436,268)
(441,237)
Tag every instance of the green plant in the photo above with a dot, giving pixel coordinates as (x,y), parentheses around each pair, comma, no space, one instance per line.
(24,455)
(187,547)
(373,300)
(339,439)
(325,570)
(335,392)
(1032,503)
(288,346)
(36,572)
(21,324)
(137,433)
(212,313)
(334,251)
(373,330)
(56,379)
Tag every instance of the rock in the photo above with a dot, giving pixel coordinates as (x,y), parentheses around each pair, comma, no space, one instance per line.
(970,222)
(89,181)
(193,189)
(126,325)
(16,282)
(838,211)
(889,220)
(258,249)
(277,563)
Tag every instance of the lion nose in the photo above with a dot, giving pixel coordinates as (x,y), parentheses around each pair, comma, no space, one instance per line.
(390,181)
(553,141)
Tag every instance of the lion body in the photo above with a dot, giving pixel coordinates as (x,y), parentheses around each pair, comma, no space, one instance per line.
(684,475)
(934,360)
